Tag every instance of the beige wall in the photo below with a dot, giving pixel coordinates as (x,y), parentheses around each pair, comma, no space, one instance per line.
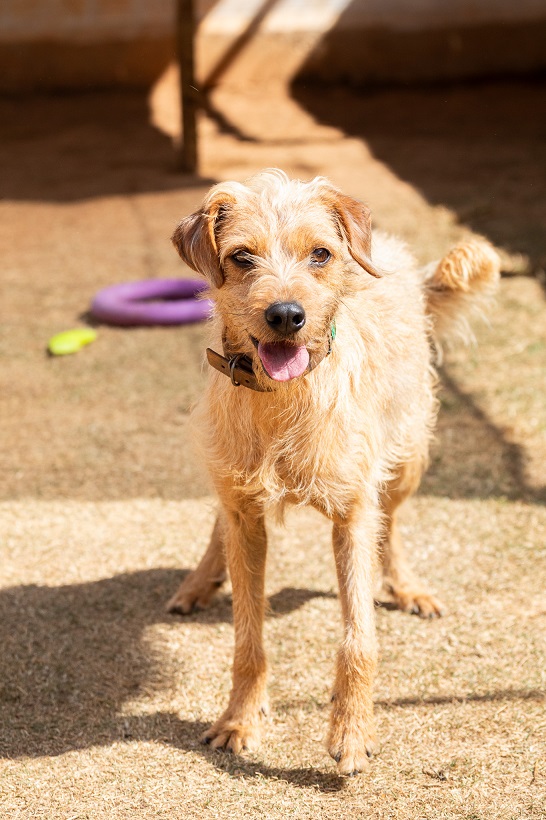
(49,44)
(83,20)
(88,20)
(80,43)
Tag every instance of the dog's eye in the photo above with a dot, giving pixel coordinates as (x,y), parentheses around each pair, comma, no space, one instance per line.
(320,256)
(242,259)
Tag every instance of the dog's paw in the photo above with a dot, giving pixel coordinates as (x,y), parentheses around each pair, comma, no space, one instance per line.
(351,743)
(417,602)
(193,593)
(233,735)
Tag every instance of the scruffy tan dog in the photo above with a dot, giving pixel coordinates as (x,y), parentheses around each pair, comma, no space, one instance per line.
(329,346)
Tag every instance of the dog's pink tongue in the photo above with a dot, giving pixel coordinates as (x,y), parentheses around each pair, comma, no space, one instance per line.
(283,361)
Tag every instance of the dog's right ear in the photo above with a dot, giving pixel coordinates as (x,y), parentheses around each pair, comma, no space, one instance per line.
(195,239)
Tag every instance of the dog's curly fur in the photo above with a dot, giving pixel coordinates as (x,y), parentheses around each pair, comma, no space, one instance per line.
(350,437)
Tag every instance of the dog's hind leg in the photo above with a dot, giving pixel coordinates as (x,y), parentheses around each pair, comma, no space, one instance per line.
(199,587)
(408,592)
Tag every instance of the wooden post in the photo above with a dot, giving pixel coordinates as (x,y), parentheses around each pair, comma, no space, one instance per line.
(185,34)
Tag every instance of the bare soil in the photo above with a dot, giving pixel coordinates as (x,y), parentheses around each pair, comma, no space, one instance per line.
(103,505)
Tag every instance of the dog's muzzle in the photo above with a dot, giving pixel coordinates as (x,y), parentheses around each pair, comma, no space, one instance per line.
(240,370)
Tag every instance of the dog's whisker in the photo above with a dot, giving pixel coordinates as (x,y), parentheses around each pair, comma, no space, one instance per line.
(346,306)
(238,315)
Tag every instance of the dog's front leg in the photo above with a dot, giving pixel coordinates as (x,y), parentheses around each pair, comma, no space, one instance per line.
(240,726)
(352,735)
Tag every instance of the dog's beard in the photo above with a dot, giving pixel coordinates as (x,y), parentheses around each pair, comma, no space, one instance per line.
(283,361)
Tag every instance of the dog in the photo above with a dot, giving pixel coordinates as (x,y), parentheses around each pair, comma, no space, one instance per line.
(323,395)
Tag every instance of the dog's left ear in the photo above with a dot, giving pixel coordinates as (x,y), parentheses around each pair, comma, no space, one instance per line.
(195,239)
(355,222)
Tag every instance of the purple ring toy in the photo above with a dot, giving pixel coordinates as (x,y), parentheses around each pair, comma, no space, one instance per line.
(152,302)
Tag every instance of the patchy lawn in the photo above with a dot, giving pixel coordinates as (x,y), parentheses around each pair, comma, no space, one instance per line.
(103,506)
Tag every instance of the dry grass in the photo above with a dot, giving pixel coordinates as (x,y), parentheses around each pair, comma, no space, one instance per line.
(102,695)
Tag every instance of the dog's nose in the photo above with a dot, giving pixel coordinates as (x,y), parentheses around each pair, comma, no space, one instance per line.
(285,317)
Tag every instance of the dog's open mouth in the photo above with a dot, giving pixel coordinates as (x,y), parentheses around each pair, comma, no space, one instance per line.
(283,361)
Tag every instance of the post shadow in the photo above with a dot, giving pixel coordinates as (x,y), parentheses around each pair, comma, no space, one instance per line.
(68,147)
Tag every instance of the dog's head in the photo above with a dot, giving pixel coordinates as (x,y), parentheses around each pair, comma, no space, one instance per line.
(280,255)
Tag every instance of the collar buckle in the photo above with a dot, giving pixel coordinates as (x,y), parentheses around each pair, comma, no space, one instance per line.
(239,367)
(233,363)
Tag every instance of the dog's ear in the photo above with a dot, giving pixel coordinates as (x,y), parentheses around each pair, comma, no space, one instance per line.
(354,219)
(195,239)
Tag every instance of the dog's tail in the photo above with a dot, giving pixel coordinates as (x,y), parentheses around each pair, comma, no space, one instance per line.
(460,286)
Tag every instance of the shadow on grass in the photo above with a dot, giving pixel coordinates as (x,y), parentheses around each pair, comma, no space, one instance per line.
(69,147)
(305,777)
(72,656)
(472,457)
(167,728)
(538,695)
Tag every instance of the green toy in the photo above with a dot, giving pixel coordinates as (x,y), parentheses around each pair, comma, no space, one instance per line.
(70,341)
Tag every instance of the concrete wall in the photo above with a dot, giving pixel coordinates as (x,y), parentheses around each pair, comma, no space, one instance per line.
(83,43)
(397,15)
(83,20)
(75,43)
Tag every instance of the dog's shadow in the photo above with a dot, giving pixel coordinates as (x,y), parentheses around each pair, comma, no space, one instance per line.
(73,655)
(462,468)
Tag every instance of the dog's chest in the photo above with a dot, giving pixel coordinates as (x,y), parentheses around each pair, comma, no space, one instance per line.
(306,458)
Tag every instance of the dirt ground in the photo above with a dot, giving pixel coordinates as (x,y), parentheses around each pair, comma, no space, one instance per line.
(103,505)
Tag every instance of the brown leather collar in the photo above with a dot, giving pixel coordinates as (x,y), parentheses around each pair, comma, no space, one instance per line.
(239,368)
